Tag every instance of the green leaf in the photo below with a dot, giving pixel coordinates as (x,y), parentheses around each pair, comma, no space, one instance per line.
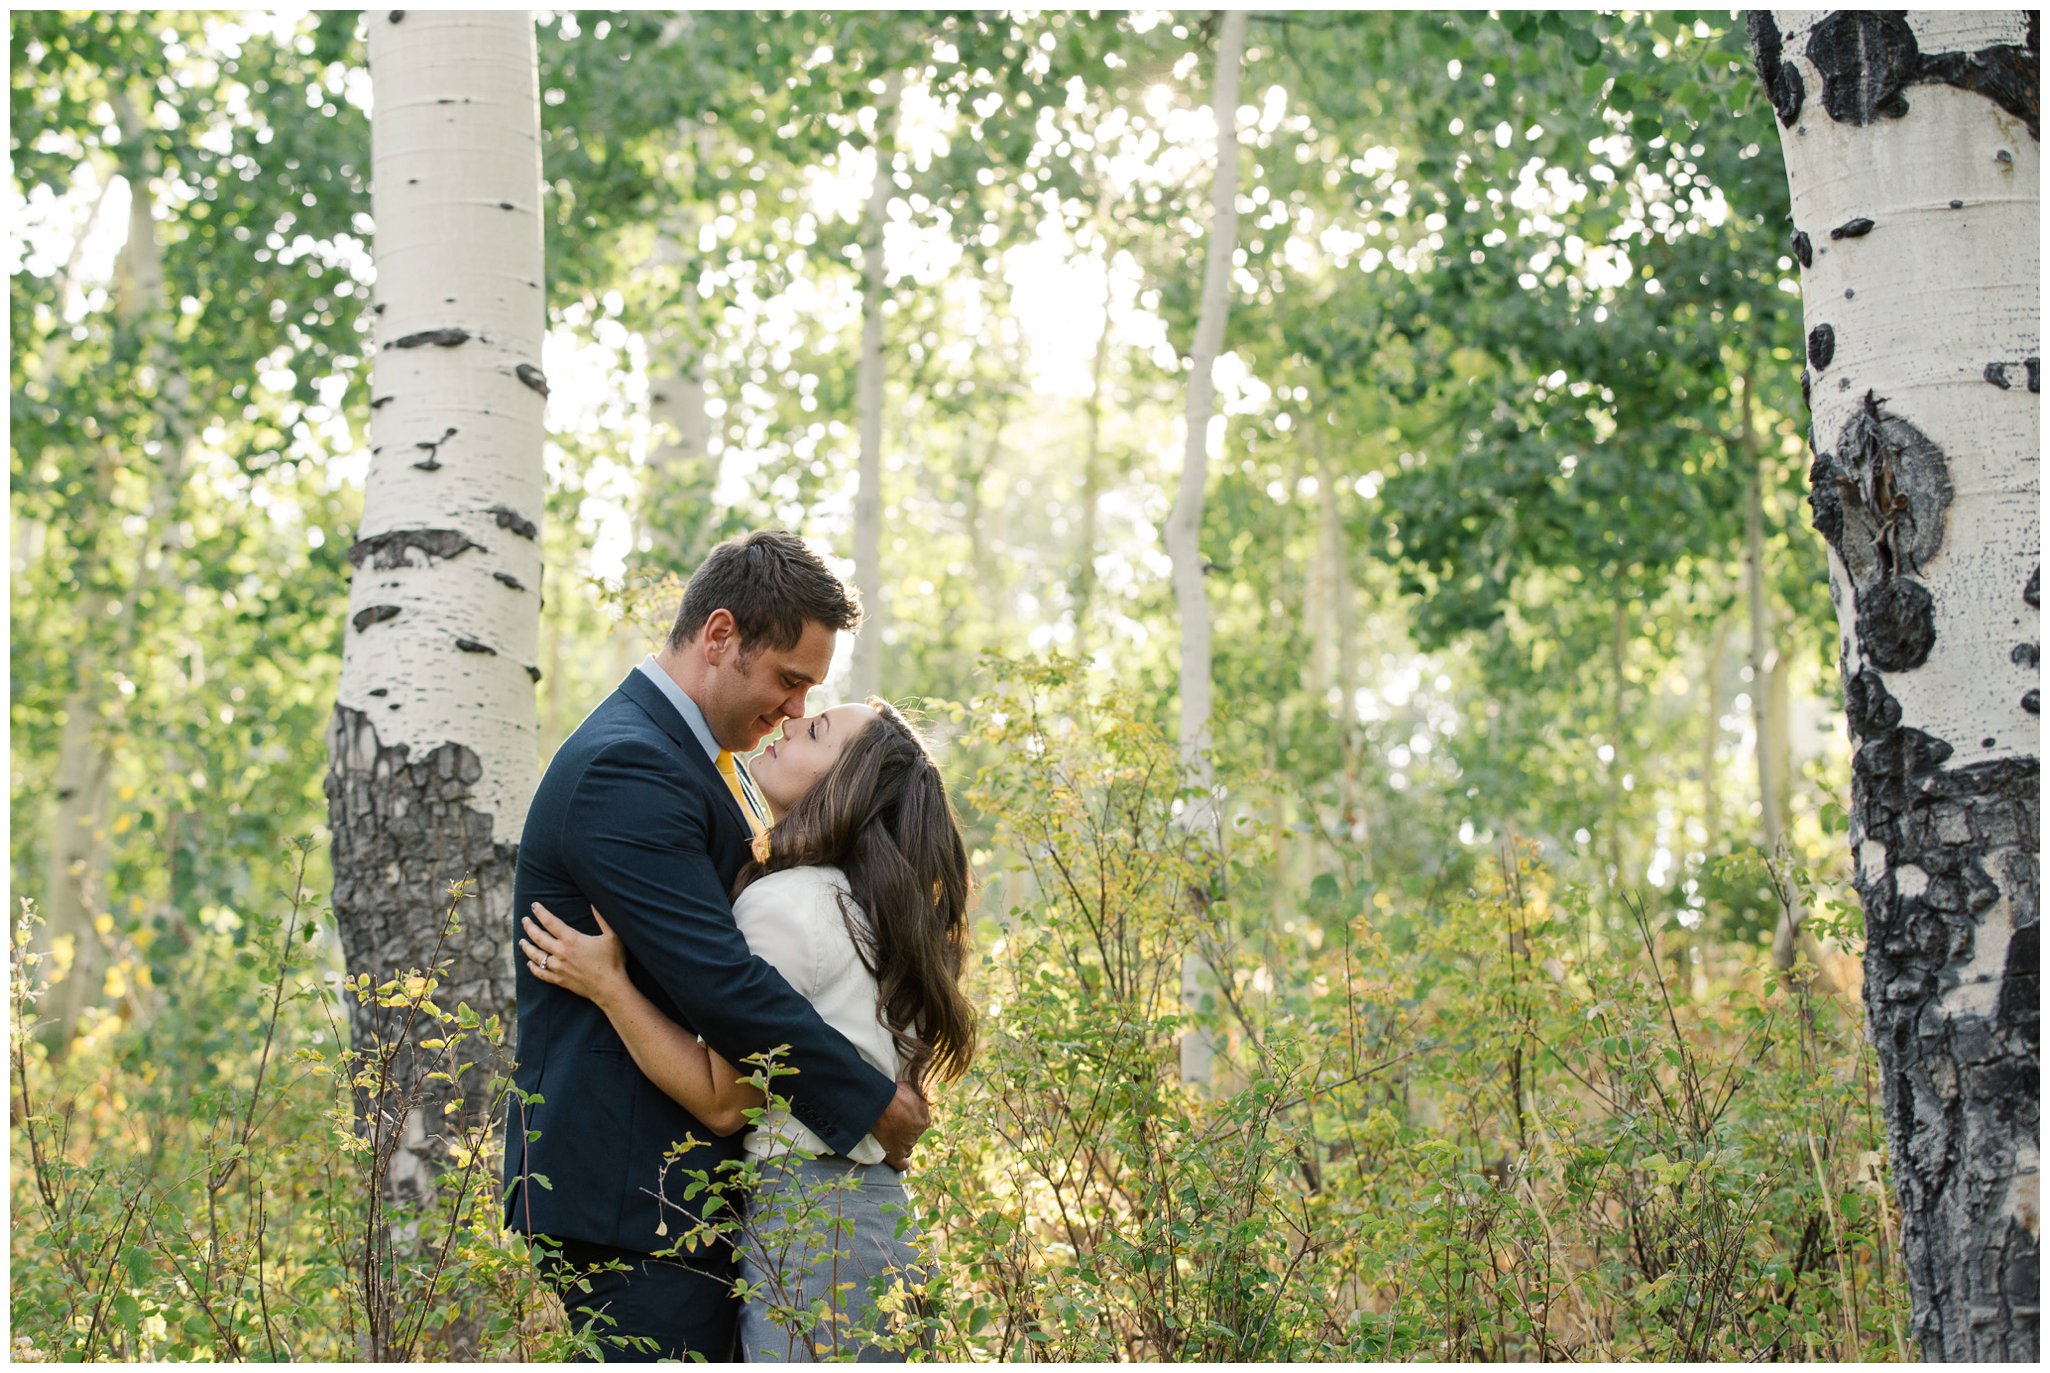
(139,1262)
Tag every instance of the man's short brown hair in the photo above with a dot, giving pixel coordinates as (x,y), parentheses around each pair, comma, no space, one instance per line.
(772,585)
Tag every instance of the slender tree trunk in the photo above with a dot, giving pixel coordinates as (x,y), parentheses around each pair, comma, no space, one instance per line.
(432,746)
(1913,161)
(1185,521)
(74,893)
(1712,734)
(74,868)
(1771,747)
(1345,629)
(1083,593)
(1619,644)
(675,520)
(868,496)
(983,562)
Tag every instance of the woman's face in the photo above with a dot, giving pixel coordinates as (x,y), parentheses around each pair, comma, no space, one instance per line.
(800,755)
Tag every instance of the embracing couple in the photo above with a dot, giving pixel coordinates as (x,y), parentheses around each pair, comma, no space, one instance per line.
(681,913)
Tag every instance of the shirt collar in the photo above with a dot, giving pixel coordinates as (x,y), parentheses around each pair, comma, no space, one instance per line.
(685,707)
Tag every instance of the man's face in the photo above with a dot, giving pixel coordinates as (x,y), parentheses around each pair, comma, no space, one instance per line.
(748,696)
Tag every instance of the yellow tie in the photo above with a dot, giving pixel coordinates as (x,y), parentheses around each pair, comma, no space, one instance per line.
(732,776)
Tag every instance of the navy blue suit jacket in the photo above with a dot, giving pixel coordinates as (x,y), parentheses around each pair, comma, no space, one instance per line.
(633,818)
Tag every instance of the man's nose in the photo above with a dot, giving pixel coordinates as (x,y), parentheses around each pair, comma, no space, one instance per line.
(793,706)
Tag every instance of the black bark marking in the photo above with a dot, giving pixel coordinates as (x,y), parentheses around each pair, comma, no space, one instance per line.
(1866,59)
(1894,490)
(440,338)
(505,204)
(513,520)
(531,377)
(1852,228)
(1996,372)
(1821,346)
(380,402)
(380,691)
(2034,368)
(433,462)
(374,614)
(1806,375)
(405,825)
(510,580)
(1782,82)
(1897,624)
(1870,708)
(2033,592)
(472,646)
(534,673)
(1804,250)
(2032,701)
(1957,204)
(1869,58)
(395,16)
(378,308)
(395,548)
(1960,865)
(1882,500)
(2005,74)
(2020,979)
(2024,655)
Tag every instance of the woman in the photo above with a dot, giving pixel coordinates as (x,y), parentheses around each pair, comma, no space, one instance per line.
(858,896)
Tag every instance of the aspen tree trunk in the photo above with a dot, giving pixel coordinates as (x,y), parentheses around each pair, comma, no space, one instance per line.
(673,518)
(1345,629)
(1771,748)
(74,895)
(1185,521)
(1913,161)
(676,499)
(866,675)
(431,750)
(1083,593)
(1711,735)
(74,866)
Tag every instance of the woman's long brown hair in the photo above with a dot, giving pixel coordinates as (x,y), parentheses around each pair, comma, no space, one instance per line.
(881,815)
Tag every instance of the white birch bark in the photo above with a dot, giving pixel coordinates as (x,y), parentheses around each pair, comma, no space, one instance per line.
(432,748)
(1914,170)
(866,668)
(1185,520)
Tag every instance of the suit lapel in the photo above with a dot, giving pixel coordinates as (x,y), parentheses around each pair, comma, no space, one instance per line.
(645,694)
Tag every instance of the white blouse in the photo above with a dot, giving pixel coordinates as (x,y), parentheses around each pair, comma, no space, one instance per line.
(792,918)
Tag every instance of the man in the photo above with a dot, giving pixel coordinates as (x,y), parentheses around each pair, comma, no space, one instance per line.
(645,814)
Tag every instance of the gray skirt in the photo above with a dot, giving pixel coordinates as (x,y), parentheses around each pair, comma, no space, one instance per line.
(827,1256)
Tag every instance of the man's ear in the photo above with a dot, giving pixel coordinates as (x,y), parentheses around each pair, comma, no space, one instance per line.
(720,635)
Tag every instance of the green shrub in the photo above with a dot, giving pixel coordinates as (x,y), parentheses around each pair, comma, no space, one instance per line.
(1516,1124)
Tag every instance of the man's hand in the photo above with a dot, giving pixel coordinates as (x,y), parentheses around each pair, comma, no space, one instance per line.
(900,1125)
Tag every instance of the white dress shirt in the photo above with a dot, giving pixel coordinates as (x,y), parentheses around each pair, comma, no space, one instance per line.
(793,919)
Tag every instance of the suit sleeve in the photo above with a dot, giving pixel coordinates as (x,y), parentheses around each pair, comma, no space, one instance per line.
(634,842)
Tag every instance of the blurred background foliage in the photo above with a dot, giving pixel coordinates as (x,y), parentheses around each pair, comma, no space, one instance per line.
(1517,615)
